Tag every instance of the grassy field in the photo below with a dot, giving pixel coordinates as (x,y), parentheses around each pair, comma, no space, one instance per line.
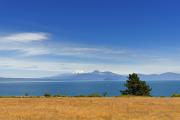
(133,108)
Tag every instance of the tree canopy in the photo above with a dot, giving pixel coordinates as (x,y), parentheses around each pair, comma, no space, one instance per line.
(134,86)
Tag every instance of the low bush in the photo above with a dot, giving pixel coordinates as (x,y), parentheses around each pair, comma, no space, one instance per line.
(57,95)
(105,94)
(47,95)
(90,95)
(175,95)
(94,95)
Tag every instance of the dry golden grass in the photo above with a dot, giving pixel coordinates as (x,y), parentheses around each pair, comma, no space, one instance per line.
(133,108)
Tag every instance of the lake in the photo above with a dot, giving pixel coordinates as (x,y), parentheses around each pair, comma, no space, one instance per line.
(71,88)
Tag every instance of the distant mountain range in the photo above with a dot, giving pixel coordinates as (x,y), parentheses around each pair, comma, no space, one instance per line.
(102,76)
(97,75)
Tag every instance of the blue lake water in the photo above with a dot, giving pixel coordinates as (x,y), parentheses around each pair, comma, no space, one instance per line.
(71,88)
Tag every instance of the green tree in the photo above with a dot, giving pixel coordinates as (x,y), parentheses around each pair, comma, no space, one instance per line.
(105,94)
(47,95)
(136,87)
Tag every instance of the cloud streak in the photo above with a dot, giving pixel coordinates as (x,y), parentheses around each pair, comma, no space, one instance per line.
(30,44)
(25,37)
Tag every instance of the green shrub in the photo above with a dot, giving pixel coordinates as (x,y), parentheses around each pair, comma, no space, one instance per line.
(94,95)
(47,95)
(105,94)
(57,95)
(90,95)
(175,95)
(80,96)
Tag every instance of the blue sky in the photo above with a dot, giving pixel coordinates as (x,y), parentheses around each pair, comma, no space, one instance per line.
(48,37)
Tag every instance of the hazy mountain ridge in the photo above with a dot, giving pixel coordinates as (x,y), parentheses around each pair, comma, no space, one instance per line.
(97,75)
(163,76)
(101,76)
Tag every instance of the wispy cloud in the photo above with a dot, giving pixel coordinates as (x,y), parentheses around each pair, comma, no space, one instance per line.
(25,37)
(30,44)
(36,46)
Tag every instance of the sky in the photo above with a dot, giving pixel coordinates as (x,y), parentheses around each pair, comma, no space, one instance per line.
(40,38)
